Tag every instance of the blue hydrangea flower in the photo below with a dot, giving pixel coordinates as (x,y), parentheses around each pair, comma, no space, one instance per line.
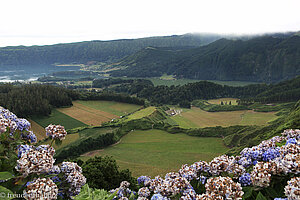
(23,149)
(281,199)
(245,179)
(271,154)
(30,136)
(143,179)
(23,124)
(157,197)
(291,141)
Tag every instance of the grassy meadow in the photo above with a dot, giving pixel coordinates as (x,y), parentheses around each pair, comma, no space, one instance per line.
(197,118)
(156,152)
(58,117)
(142,113)
(218,101)
(87,115)
(112,107)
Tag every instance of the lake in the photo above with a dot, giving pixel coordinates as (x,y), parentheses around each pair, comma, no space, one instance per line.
(30,73)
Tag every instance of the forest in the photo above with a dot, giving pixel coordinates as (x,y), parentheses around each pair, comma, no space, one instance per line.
(261,59)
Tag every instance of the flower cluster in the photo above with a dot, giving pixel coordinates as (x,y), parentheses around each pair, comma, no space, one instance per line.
(41,189)
(292,190)
(224,187)
(144,192)
(56,131)
(291,134)
(73,175)
(7,123)
(260,175)
(23,124)
(122,192)
(29,136)
(143,180)
(245,179)
(10,121)
(35,160)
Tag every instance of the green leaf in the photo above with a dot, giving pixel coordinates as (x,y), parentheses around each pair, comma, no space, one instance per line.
(110,197)
(260,196)
(132,197)
(5,176)
(247,192)
(5,193)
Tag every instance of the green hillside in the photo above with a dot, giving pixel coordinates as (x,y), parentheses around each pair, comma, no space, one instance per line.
(103,51)
(262,59)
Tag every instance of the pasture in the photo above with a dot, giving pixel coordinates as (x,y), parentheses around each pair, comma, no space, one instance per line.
(142,113)
(197,118)
(38,130)
(58,117)
(112,107)
(224,100)
(156,152)
(87,115)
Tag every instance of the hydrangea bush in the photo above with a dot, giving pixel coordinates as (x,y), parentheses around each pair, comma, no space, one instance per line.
(258,172)
(29,169)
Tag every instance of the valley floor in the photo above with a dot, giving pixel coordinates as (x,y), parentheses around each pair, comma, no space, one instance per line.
(155,152)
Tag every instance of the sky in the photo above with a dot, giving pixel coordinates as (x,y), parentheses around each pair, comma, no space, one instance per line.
(43,22)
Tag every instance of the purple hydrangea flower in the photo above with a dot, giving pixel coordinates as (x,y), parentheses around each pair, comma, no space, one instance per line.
(245,179)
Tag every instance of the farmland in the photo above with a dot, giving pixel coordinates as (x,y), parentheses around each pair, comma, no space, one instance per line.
(142,113)
(38,130)
(195,117)
(87,115)
(112,107)
(58,117)
(155,152)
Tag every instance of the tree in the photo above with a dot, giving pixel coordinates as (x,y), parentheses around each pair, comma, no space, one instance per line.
(103,173)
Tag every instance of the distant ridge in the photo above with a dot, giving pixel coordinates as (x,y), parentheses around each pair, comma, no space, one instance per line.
(102,51)
(262,59)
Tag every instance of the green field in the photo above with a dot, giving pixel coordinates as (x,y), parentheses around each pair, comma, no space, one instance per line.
(68,140)
(142,113)
(57,117)
(197,118)
(156,152)
(116,108)
(165,80)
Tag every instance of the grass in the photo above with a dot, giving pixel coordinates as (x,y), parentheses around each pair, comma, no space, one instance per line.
(195,117)
(166,80)
(115,108)
(38,130)
(156,152)
(142,113)
(87,115)
(218,101)
(70,138)
(58,117)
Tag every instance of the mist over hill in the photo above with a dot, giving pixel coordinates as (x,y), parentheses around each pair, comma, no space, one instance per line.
(102,51)
(262,59)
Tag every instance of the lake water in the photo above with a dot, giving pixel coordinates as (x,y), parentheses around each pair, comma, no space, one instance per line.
(30,73)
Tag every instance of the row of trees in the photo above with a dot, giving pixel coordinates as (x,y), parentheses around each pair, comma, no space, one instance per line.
(26,100)
(282,92)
